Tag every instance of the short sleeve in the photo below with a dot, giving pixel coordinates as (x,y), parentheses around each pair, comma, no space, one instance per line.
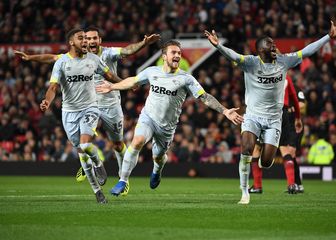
(194,87)
(143,77)
(102,68)
(56,73)
(114,53)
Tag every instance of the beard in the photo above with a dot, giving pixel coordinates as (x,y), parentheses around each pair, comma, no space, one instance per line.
(173,65)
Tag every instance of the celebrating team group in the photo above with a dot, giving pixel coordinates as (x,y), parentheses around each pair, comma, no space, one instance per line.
(87,77)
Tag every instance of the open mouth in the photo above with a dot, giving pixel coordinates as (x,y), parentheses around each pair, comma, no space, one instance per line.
(273,52)
(93,48)
(84,48)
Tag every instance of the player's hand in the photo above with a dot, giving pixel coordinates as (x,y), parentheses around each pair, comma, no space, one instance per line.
(151,39)
(44,105)
(22,55)
(233,116)
(298,125)
(212,37)
(104,87)
(332,32)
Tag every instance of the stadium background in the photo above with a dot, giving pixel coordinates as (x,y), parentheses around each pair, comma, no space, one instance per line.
(202,136)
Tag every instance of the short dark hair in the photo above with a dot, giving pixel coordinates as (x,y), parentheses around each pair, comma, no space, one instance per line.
(72,32)
(168,43)
(94,29)
(259,41)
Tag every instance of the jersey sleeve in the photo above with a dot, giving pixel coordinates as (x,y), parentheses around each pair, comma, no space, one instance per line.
(56,73)
(194,88)
(291,59)
(102,68)
(246,62)
(114,53)
(143,77)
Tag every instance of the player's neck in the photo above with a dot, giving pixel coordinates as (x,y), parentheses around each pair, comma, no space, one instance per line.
(75,54)
(266,59)
(168,69)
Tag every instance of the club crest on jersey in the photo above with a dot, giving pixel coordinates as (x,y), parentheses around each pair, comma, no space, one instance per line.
(89,66)
(176,82)
(155,78)
(68,69)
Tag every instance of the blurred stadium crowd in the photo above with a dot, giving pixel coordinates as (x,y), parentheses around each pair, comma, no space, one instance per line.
(202,135)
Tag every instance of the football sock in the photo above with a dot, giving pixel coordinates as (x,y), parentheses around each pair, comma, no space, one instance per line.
(289,169)
(244,172)
(257,173)
(91,150)
(297,172)
(129,162)
(159,164)
(87,167)
(120,157)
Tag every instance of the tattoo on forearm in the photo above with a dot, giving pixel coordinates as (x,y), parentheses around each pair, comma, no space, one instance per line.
(212,102)
(132,48)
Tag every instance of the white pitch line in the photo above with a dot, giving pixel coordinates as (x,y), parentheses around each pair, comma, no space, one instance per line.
(78,195)
(43,196)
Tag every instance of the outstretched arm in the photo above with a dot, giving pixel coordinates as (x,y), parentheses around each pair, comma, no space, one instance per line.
(315,46)
(227,52)
(106,86)
(42,58)
(49,97)
(134,48)
(213,103)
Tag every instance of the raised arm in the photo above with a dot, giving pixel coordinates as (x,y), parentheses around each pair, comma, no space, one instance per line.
(49,97)
(315,46)
(106,86)
(213,103)
(41,58)
(134,48)
(227,52)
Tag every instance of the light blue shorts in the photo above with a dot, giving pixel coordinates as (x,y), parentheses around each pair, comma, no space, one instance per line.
(82,122)
(113,122)
(162,138)
(267,130)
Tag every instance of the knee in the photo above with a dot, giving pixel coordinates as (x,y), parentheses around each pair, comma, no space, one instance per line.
(138,142)
(119,145)
(86,147)
(160,158)
(247,148)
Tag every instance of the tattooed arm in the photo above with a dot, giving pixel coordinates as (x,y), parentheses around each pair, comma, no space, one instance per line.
(213,103)
(134,48)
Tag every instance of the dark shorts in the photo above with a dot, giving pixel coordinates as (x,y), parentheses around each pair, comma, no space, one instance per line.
(288,133)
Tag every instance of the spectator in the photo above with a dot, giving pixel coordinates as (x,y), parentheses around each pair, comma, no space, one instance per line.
(321,153)
(224,154)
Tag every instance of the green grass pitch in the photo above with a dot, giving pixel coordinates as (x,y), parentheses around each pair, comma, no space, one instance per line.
(59,208)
